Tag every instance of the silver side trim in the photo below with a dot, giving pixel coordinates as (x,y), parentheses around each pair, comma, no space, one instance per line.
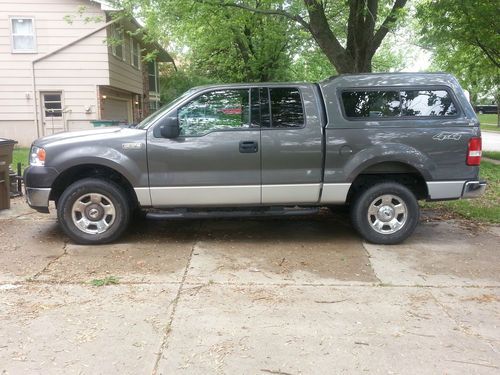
(143,196)
(205,195)
(335,193)
(38,197)
(290,193)
(445,189)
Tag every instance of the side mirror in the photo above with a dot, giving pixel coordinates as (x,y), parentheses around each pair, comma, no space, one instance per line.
(170,127)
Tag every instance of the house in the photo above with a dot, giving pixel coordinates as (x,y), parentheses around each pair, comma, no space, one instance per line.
(67,63)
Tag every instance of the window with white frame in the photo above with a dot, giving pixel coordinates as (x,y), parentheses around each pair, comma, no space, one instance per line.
(153,76)
(117,41)
(23,34)
(135,53)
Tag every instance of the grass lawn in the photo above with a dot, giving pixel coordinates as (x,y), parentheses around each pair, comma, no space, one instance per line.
(483,209)
(20,156)
(492,154)
(489,122)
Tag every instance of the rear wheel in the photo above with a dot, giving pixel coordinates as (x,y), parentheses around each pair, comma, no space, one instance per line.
(386,213)
(93,211)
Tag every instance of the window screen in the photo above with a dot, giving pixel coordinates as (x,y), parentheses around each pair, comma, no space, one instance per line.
(371,103)
(286,108)
(52,105)
(427,103)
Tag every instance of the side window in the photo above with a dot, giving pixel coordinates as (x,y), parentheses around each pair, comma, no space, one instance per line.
(23,35)
(359,104)
(427,103)
(215,111)
(286,108)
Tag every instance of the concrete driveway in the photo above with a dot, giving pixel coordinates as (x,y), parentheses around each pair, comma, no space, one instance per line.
(266,296)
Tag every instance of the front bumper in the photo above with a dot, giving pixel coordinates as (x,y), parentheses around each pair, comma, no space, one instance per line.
(38,181)
(473,189)
(38,198)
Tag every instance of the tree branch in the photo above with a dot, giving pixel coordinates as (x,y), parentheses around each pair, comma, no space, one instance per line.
(386,25)
(488,54)
(269,12)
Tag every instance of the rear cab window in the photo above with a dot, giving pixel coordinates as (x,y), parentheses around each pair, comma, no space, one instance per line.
(398,103)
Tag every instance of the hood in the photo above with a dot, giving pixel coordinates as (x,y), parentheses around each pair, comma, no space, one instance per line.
(82,135)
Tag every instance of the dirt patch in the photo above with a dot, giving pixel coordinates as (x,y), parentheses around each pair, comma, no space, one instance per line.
(303,248)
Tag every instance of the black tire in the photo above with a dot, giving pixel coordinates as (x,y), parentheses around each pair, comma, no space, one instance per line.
(369,226)
(111,197)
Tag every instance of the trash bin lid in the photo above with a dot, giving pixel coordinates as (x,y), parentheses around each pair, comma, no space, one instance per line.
(5,142)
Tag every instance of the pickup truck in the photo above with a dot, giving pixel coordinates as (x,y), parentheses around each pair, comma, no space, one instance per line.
(376,143)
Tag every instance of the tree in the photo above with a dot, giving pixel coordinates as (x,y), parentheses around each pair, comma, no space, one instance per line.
(349,38)
(464,36)
(223,44)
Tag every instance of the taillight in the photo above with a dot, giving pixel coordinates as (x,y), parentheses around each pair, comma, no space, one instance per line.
(474,151)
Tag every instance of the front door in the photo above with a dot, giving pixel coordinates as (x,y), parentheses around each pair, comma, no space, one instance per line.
(52,112)
(216,159)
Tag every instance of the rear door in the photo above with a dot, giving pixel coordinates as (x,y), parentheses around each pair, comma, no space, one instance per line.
(291,144)
(215,161)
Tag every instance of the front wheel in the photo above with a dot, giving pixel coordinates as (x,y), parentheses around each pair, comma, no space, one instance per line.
(386,213)
(93,211)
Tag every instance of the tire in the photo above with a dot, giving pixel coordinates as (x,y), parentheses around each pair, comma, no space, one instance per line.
(480,112)
(386,213)
(93,211)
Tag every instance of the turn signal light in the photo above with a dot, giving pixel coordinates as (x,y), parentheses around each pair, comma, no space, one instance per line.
(474,151)
(37,156)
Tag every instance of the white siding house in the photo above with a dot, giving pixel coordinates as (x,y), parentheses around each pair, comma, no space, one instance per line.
(59,72)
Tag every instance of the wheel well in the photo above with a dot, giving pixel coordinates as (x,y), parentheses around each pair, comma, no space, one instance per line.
(79,172)
(390,171)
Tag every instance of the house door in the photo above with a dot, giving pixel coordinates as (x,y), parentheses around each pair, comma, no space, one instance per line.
(52,113)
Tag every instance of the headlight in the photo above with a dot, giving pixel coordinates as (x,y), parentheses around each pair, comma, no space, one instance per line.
(37,156)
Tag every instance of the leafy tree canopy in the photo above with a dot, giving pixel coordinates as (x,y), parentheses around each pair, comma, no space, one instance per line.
(464,36)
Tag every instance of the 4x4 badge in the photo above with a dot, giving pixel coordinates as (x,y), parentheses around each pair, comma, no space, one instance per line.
(447,136)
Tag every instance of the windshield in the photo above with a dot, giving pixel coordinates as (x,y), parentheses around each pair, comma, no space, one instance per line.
(157,114)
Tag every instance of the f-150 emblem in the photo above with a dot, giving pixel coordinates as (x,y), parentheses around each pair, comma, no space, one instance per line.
(132,146)
(447,136)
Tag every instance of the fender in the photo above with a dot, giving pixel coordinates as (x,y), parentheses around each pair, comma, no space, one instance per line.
(389,152)
(132,168)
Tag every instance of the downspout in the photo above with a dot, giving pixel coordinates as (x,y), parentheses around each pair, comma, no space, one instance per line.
(35,105)
(33,62)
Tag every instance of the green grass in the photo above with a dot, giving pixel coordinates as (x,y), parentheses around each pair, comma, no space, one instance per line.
(110,280)
(492,154)
(484,209)
(20,155)
(489,122)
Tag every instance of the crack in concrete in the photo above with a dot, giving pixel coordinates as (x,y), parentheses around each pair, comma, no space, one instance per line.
(369,256)
(31,281)
(460,326)
(168,328)
(51,262)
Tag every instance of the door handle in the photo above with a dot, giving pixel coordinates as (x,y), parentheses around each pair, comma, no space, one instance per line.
(248,147)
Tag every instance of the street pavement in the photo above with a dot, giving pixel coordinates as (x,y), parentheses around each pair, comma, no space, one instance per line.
(254,296)
(490,141)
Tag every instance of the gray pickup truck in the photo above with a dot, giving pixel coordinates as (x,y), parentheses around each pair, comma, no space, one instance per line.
(377,143)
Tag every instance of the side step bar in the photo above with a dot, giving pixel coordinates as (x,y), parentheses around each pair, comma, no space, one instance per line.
(218,214)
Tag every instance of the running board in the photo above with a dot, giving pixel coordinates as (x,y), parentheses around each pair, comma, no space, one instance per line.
(221,214)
